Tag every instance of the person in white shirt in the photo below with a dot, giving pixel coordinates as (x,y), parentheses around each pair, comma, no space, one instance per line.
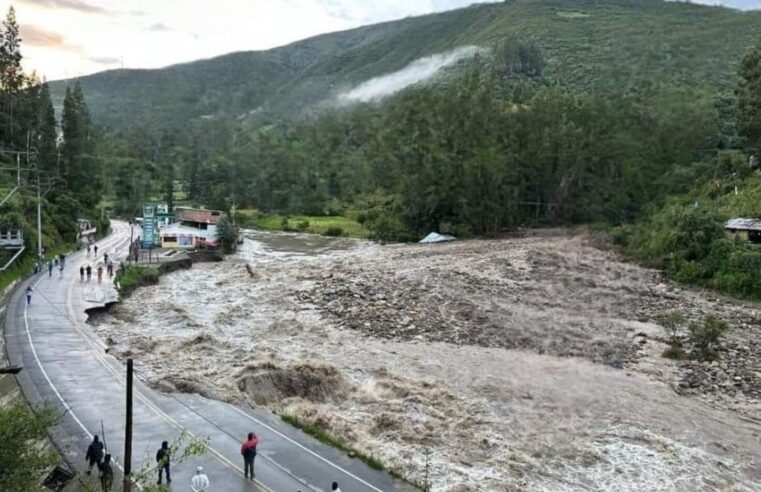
(335,488)
(200,482)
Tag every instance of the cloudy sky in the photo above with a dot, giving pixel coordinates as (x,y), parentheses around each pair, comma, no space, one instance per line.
(66,38)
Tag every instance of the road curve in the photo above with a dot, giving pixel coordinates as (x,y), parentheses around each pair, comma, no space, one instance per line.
(66,364)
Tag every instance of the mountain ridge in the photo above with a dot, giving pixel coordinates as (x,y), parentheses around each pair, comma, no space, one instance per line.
(610,45)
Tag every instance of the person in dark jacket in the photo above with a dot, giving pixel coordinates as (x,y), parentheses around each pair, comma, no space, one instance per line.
(248,450)
(94,453)
(106,473)
(163,457)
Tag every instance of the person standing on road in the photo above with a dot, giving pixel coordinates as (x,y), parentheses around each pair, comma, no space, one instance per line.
(105,258)
(60,270)
(89,272)
(88,249)
(100,273)
(334,487)
(81,273)
(94,454)
(29,295)
(199,482)
(95,248)
(62,259)
(248,450)
(106,473)
(50,268)
(163,457)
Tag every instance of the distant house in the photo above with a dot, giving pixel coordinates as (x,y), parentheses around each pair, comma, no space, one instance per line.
(748,229)
(195,227)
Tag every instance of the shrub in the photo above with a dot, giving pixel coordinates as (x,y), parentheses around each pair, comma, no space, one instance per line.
(334,231)
(671,322)
(706,334)
(302,226)
(23,462)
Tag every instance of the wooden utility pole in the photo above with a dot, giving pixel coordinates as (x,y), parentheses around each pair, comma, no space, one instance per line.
(128,433)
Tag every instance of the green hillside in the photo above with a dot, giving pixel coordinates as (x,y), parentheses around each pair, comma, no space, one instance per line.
(599,45)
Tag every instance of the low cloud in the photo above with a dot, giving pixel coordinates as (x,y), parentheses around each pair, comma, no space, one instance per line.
(77,5)
(105,60)
(42,38)
(416,72)
(159,27)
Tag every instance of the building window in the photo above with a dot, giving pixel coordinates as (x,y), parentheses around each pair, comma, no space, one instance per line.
(170,239)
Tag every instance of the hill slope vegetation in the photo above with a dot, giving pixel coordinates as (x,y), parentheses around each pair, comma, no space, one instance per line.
(613,45)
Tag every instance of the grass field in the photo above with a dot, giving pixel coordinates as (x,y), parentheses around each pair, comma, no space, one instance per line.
(327,226)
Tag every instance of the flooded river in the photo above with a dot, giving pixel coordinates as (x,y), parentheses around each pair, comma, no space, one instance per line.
(513,365)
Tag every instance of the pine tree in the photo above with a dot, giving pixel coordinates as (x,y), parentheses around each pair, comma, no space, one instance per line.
(12,78)
(749,99)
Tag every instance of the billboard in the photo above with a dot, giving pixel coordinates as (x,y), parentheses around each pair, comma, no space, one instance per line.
(149,226)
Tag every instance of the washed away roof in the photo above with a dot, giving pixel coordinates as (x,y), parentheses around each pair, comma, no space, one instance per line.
(435,237)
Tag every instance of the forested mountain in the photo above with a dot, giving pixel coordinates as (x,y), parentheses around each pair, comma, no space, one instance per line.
(620,46)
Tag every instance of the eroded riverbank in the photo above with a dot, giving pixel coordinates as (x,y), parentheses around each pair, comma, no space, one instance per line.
(524,363)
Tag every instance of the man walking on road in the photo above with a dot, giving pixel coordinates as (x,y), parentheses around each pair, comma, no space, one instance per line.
(106,473)
(29,295)
(248,450)
(94,454)
(88,270)
(50,268)
(199,482)
(81,274)
(163,456)
(334,487)
(95,248)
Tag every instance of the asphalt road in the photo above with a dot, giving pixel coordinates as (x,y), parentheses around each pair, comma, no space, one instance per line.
(67,365)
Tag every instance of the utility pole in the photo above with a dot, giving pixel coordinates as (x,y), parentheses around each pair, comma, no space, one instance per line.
(127,486)
(39,222)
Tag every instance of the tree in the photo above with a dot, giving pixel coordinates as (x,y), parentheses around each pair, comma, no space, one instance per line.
(12,77)
(707,333)
(78,162)
(749,98)
(22,462)
(228,235)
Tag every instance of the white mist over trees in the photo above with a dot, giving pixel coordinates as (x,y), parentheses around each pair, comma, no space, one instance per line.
(420,70)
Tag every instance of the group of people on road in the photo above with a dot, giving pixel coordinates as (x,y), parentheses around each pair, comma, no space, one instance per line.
(85,271)
(97,455)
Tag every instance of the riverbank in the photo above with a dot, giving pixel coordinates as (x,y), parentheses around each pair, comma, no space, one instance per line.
(510,364)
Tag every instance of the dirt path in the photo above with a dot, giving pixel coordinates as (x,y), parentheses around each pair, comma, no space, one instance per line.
(530,363)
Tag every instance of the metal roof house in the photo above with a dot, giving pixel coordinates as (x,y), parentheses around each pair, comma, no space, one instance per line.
(195,227)
(750,229)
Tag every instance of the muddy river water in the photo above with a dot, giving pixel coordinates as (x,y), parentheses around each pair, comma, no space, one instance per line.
(522,364)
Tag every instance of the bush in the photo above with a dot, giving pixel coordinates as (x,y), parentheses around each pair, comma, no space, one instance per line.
(334,231)
(706,334)
(302,226)
(22,460)
(130,278)
(671,322)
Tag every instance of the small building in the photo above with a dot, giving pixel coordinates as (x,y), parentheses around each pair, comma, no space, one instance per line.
(85,231)
(11,238)
(194,228)
(748,229)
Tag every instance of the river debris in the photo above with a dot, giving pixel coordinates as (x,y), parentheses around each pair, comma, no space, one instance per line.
(525,364)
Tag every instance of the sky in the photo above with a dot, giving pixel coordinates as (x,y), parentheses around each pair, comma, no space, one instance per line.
(69,38)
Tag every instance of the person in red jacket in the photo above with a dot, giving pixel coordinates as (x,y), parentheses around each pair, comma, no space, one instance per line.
(248,450)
